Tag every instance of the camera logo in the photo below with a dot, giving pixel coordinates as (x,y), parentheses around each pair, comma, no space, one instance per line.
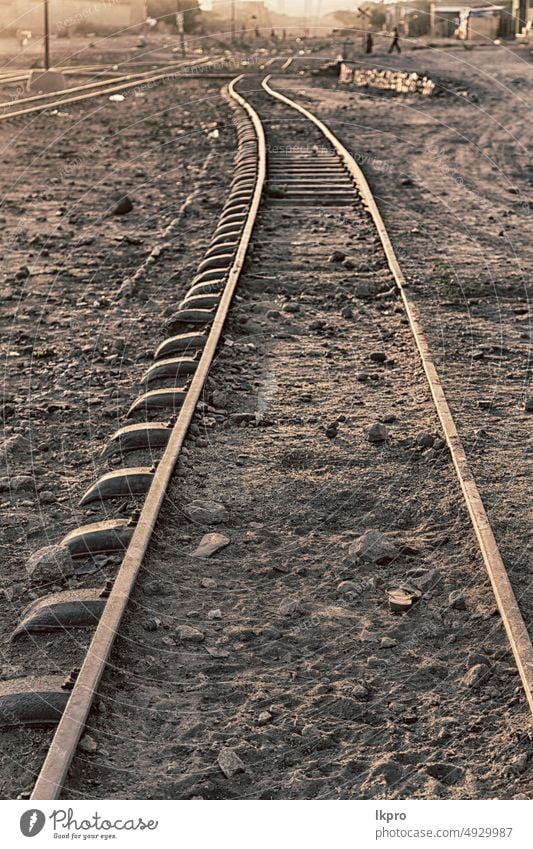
(32,822)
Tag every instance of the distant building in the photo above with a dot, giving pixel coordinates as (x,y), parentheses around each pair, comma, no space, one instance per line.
(69,16)
(475,19)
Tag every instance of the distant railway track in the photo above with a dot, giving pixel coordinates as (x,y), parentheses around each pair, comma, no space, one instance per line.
(89,91)
(316,177)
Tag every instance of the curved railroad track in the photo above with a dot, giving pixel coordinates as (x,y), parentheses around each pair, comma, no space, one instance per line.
(320,173)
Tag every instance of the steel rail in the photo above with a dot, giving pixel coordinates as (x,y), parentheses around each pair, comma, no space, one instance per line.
(113,89)
(513,621)
(63,746)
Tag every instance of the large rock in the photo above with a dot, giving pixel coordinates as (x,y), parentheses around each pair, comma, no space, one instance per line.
(50,563)
(206,512)
(374,547)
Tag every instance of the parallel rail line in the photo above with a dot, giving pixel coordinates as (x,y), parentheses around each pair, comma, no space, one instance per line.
(329,175)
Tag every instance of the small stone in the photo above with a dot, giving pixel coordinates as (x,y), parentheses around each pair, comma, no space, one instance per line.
(337,256)
(214,614)
(425,440)
(123,206)
(374,662)
(456,600)
(377,432)
(264,717)
(208,583)
(317,324)
(220,399)
(439,444)
(88,745)
(289,607)
(475,676)
(378,356)
(291,306)
(206,512)
(348,588)
(311,732)
(188,634)
(374,547)
(388,643)
(361,692)
(52,562)
(362,376)
(528,405)
(209,544)
(347,312)
(229,762)
(152,624)
(47,497)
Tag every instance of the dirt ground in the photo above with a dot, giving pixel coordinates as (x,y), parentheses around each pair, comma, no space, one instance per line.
(318,688)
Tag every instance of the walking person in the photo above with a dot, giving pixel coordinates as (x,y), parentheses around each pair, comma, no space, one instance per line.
(395,43)
(369,43)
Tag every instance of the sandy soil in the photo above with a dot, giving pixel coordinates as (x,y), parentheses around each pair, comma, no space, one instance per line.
(319,689)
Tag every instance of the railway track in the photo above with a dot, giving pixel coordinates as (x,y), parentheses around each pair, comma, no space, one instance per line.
(316,174)
(98,88)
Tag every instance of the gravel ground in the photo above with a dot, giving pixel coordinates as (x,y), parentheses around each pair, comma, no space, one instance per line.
(263,652)
(279,655)
(83,293)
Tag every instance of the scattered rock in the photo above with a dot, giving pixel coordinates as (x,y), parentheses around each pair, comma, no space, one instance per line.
(456,600)
(13,446)
(475,676)
(208,583)
(332,430)
(229,762)
(188,634)
(17,483)
(291,306)
(152,624)
(362,376)
(214,614)
(50,563)
(528,405)
(378,356)
(206,512)
(439,444)
(348,588)
(264,717)
(337,256)
(123,206)
(425,440)
(377,432)
(388,643)
(374,547)
(220,399)
(88,745)
(209,544)
(289,606)
(361,692)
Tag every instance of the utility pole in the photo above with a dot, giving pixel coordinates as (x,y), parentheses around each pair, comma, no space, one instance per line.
(180,23)
(233,21)
(46,37)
